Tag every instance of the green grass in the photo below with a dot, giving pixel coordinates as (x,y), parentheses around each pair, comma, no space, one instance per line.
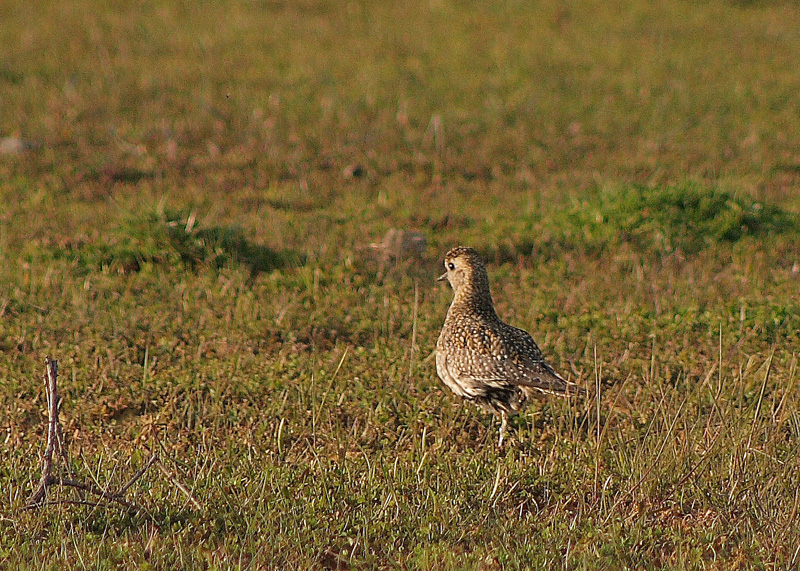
(189,235)
(165,238)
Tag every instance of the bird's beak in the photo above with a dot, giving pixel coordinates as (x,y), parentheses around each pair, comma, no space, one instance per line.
(442,277)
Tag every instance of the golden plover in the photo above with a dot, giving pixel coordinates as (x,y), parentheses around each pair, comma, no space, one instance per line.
(482,359)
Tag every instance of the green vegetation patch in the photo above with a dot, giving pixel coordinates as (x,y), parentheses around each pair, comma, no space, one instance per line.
(169,238)
(685,218)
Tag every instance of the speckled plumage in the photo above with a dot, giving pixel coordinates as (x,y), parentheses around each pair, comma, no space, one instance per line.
(482,359)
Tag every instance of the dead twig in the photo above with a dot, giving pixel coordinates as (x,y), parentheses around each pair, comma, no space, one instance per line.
(39,495)
(153,459)
(177,483)
(55,442)
(113,497)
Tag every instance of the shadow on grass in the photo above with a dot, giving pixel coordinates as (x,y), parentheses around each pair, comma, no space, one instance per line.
(171,238)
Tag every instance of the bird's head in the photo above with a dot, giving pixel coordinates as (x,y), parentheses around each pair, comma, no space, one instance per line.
(465,271)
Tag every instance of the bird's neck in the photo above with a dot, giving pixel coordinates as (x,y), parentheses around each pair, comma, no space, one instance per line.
(473,297)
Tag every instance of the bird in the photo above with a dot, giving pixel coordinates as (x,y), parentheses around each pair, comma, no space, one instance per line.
(482,359)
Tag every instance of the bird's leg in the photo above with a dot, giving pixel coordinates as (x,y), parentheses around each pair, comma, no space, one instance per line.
(503,426)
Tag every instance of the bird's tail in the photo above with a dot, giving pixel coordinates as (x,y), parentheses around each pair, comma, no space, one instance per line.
(550,382)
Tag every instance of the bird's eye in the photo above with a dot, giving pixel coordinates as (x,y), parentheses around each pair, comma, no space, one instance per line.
(451,266)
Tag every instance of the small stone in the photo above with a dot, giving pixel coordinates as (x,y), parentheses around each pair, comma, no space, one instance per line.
(398,243)
(15,146)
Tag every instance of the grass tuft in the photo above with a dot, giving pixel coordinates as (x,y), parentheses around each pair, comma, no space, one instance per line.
(168,238)
(683,218)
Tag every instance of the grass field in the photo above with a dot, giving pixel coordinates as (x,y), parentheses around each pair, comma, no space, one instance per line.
(188,231)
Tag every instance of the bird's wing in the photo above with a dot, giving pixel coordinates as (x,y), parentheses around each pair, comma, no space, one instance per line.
(510,358)
(444,370)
